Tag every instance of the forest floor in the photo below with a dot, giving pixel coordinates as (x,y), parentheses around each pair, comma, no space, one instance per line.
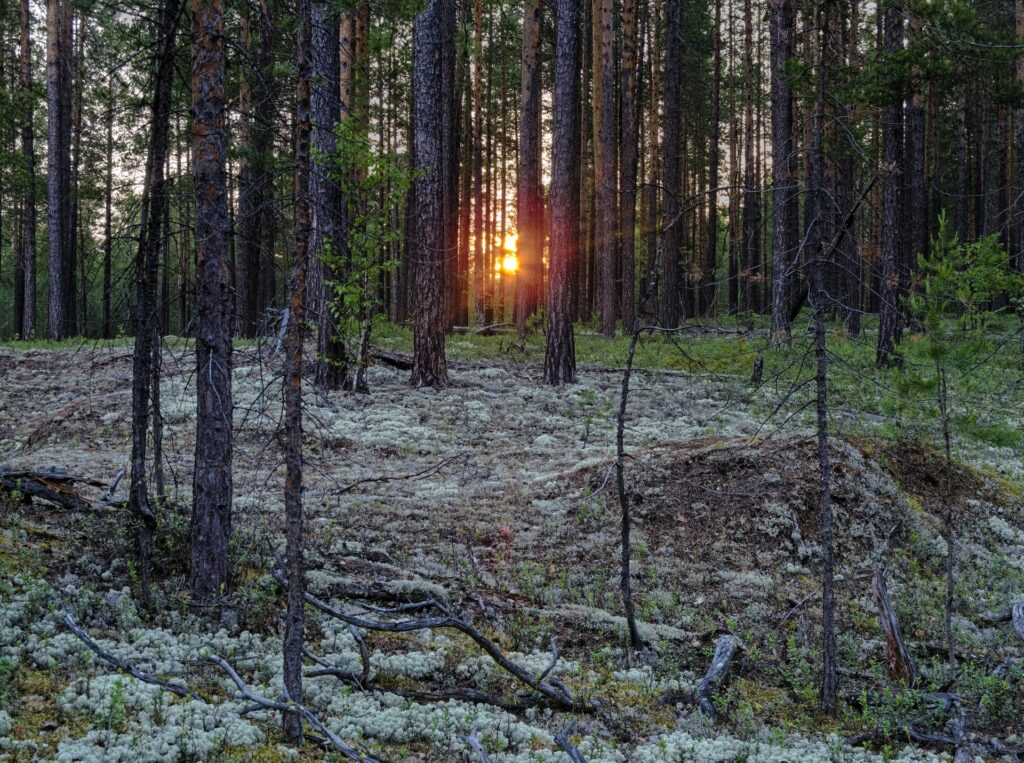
(497,497)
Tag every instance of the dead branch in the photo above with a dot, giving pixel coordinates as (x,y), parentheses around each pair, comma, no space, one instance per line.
(421,473)
(897,658)
(288,706)
(123,666)
(554,692)
(392,359)
(474,742)
(562,739)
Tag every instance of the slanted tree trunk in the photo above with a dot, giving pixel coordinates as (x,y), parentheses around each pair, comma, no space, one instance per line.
(629,120)
(560,352)
(529,203)
(211,486)
(606,191)
(784,188)
(28,207)
(294,625)
(429,365)
(671,202)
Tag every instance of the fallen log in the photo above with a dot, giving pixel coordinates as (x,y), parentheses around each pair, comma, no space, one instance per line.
(49,485)
(898,662)
(401,362)
(726,649)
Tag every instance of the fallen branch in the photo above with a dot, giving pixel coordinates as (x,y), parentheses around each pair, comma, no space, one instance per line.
(124,666)
(288,706)
(897,658)
(474,742)
(562,740)
(392,359)
(421,473)
(553,691)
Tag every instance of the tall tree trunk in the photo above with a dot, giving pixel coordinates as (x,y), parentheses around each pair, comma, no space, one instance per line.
(108,228)
(606,191)
(1017,211)
(479,235)
(560,352)
(429,366)
(629,124)
(56,165)
(890,322)
(529,202)
(154,197)
(653,176)
(784,177)
(710,262)
(671,201)
(294,625)
(254,213)
(211,487)
(76,253)
(328,250)
(28,207)
(750,294)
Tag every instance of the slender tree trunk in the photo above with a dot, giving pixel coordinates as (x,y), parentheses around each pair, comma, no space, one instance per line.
(750,293)
(708,288)
(294,626)
(108,229)
(529,201)
(606,191)
(57,159)
(629,124)
(479,235)
(429,366)
(76,253)
(1017,209)
(28,207)
(890,322)
(153,198)
(560,352)
(671,193)
(212,486)
(784,188)
(654,176)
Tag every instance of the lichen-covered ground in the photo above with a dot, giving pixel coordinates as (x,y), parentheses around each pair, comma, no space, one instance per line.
(496,496)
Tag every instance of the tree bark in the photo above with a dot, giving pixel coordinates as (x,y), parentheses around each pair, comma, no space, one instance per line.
(671,201)
(710,262)
(212,486)
(429,365)
(294,625)
(108,228)
(529,202)
(784,177)
(606,191)
(56,166)
(750,293)
(560,352)
(28,207)
(890,321)
(629,121)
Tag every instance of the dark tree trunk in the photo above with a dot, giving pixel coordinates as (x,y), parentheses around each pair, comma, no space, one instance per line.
(479,235)
(154,197)
(76,253)
(211,487)
(606,190)
(890,321)
(254,213)
(630,124)
(28,207)
(58,159)
(529,202)
(429,33)
(750,294)
(707,286)
(294,632)
(108,229)
(1017,210)
(560,352)
(784,185)
(327,248)
(671,201)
